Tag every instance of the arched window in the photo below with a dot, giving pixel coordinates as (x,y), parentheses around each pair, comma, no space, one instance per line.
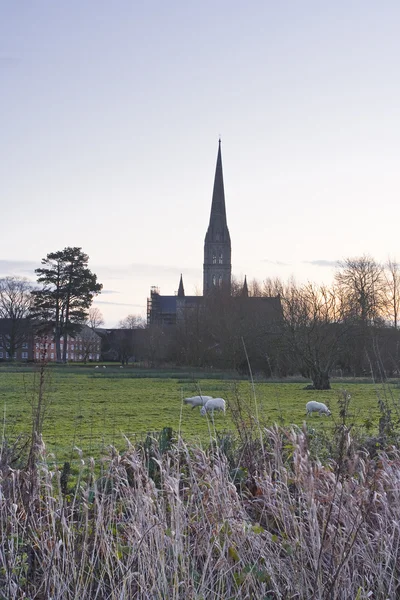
(214,280)
(220,258)
(214,259)
(220,281)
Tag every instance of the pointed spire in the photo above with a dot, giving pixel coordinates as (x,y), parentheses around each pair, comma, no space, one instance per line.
(245,289)
(218,197)
(181,289)
(217,243)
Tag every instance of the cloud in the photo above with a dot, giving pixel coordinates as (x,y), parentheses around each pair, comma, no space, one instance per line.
(275,262)
(24,268)
(322,263)
(27,268)
(140,270)
(96,301)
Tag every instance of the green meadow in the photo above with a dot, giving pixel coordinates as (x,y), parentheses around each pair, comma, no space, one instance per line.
(89,409)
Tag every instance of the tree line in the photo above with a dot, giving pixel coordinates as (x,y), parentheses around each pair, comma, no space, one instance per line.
(350,327)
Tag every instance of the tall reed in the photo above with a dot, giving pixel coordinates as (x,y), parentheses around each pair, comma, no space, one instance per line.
(298,529)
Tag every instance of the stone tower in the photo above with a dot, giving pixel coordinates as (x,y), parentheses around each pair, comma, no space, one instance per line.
(217,267)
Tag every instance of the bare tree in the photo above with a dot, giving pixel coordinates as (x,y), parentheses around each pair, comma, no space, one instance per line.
(125,341)
(159,341)
(313,330)
(255,288)
(273,287)
(15,306)
(132,322)
(95,318)
(89,340)
(191,340)
(392,288)
(362,284)
(236,286)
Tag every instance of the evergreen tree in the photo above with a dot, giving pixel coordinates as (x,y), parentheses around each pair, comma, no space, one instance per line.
(67,294)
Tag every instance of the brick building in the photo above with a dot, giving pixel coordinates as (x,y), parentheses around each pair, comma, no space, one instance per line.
(26,342)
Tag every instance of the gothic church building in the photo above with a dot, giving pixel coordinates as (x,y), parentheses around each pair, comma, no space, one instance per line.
(217,267)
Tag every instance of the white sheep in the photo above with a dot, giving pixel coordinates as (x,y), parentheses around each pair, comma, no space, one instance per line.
(212,405)
(104,367)
(318,407)
(97,366)
(197,400)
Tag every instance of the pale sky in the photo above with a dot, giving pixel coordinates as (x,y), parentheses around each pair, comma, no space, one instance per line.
(109,125)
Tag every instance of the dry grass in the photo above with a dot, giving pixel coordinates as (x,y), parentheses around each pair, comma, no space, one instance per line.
(175,521)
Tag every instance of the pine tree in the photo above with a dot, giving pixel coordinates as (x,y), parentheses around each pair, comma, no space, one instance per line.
(67,294)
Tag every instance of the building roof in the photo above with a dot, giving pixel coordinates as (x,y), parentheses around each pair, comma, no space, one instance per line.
(7,325)
(167,304)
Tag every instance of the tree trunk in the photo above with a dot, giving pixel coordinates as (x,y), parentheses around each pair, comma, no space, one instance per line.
(320,380)
(57,339)
(64,357)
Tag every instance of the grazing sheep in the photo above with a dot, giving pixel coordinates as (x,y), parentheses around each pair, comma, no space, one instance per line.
(318,407)
(197,400)
(212,405)
(97,366)
(104,367)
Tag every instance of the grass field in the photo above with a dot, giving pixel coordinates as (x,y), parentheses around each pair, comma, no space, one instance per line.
(92,408)
(252,517)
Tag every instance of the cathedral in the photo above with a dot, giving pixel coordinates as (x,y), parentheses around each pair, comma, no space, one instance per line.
(217,267)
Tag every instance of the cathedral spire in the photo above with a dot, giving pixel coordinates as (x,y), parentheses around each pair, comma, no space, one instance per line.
(245,289)
(218,197)
(217,266)
(181,289)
